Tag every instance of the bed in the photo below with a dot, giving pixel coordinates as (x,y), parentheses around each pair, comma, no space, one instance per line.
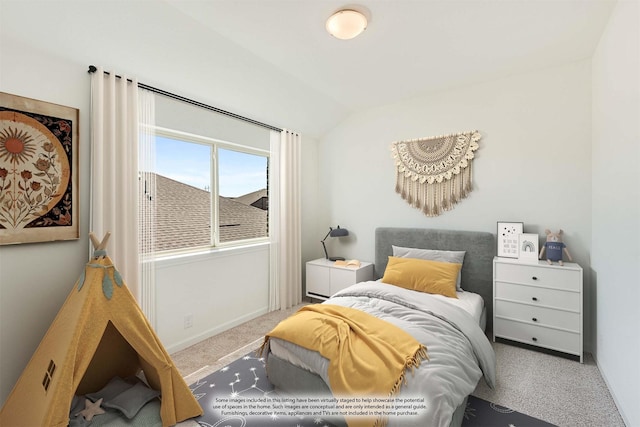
(453,332)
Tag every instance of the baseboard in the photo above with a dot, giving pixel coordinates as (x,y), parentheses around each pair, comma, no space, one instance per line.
(181,345)
(224,360)
(613,395)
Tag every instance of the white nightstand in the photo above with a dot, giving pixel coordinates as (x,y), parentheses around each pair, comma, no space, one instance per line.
(324,278)
(538,304)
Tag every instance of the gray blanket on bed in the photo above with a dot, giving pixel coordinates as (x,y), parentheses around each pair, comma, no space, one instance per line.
(459,352)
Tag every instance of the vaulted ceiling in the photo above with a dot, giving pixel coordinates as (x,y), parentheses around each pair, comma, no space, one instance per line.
(410,46)
(273,61)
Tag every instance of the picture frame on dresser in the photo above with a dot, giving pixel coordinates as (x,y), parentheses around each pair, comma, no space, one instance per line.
(528,246)
(507,238)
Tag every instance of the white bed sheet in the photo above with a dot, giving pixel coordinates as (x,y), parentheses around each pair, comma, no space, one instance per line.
(468,301)
(471,302)
(459,352)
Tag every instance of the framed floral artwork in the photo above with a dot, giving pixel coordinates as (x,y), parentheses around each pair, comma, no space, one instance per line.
(507,238)
(38,171)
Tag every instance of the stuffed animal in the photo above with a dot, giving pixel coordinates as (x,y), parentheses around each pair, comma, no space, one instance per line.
(554,247)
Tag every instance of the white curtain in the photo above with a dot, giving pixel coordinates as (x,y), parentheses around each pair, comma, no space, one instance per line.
(147,203)
(115,131)
(285,284)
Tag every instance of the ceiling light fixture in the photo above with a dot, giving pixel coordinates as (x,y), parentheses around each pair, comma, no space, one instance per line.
(346,24)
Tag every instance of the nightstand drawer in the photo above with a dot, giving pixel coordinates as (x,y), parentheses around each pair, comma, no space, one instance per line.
(539,296)
(324,278)
(342,278)
(538,315)
(318,281)
(536,275)
(537,335)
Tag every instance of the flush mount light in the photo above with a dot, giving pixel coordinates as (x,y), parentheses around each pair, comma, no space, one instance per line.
(346,24)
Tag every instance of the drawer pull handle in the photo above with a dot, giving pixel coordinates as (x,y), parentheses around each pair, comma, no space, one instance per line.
(535,299)
(534,339)
(534,278)
(535,319)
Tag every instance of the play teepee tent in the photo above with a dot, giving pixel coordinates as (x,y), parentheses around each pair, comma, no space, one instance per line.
(99,333)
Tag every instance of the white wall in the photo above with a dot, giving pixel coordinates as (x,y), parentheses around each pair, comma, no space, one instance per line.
(183,117)
(218,290)
(36,278)
(312,185)
(155,42)
(533,164)
(48,60)
(616,207)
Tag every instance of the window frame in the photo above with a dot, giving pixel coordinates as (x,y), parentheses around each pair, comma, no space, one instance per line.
(214,144)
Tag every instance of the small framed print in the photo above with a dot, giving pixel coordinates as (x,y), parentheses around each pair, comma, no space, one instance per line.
(528,248)
(507,238)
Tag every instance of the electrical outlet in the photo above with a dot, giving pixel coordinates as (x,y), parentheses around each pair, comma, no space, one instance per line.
(188,321)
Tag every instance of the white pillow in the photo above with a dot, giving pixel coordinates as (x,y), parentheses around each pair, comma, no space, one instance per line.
(456,257)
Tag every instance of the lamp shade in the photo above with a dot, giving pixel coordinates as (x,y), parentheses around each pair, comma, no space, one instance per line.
(346,24)
(339,232)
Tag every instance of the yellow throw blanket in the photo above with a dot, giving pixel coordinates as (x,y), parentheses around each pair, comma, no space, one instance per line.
(367,356)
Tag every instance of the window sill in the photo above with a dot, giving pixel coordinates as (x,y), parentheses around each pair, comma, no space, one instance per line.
(209,253)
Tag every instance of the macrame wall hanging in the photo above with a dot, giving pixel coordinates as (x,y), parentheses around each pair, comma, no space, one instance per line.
(433,174)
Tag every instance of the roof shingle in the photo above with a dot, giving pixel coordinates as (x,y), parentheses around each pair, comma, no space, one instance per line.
(183,218)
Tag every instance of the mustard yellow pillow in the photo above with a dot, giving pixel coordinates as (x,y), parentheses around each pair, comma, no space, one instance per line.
(433,277)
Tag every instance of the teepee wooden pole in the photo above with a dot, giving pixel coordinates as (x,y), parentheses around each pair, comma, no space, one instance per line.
(94,240)
(98,245)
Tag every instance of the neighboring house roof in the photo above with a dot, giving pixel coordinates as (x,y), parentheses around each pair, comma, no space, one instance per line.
(259,199)
(183,216)
(240,221)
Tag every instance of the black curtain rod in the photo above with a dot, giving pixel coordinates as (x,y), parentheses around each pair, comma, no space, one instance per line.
(93,69)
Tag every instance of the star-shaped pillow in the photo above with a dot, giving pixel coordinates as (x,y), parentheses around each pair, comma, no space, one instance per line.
(91,409)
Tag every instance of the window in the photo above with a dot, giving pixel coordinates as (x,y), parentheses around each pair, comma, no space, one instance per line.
(243,199)
(207,192)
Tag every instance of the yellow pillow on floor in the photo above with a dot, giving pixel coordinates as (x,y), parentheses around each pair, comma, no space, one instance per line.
(433,277)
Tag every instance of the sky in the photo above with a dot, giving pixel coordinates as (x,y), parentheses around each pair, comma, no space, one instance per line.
(190,163)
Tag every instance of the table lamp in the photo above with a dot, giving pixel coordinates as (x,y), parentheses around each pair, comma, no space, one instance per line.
(334,232)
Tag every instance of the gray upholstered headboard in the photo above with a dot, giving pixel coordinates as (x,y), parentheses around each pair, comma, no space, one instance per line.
(477,268)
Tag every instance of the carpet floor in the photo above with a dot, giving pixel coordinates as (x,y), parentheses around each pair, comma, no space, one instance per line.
(239,394)
(560,391)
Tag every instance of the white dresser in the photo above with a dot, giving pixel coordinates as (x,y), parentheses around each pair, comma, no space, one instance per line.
(324,278)
(538,304)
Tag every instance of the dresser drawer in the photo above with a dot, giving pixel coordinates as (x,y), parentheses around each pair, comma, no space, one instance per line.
(553,339)
(539,296)
(538,304)
(538,315)
(536,275)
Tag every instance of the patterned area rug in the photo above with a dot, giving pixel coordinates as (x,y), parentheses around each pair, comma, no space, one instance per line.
(240,395)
